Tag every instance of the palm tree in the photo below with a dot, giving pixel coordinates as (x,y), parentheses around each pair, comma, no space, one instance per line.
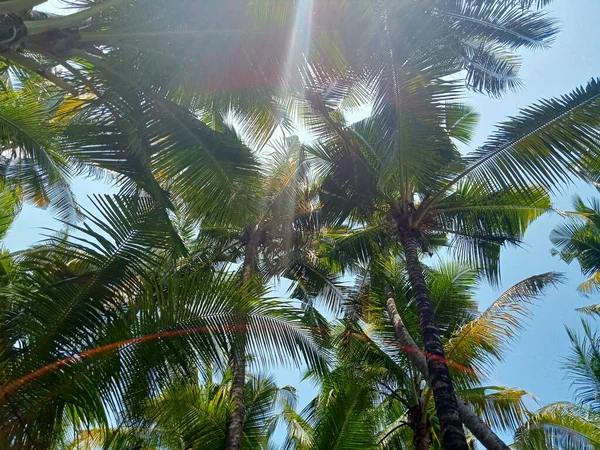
(133,48)
(399,172)
(332,35)
(151,52)
(275,241)
(33,164)
(94,324)
(567,425)
(191,415)
(376,396)
(118,61)
(579,239)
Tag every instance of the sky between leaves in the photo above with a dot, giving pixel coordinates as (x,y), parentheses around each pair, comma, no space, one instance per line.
(534,363)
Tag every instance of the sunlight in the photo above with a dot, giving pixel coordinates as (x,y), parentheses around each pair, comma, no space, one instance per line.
(299,44)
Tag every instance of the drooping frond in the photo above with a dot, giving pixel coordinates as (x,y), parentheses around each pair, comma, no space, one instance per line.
(164,150)
(547,144)
(560,426)
(32,156)
(481,342)
(578,238)
(583,366)
(480,222)
(503,22)
(501,407)
(460,121)
(10,205)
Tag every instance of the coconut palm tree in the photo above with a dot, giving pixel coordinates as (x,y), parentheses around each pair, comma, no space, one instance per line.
(261,37)
(140,73)
(399,171)
(93,325)
(191,415)
(377,397)
(579,239)
(565,425)
(154,57)
(32,161)
(254,59)
(275,242)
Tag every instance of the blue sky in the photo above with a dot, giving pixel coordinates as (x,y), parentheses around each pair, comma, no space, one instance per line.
(534,362)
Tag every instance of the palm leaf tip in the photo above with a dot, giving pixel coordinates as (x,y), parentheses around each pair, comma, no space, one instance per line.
(481,342)
(548,144)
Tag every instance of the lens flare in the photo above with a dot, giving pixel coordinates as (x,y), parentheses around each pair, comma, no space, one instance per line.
(19,382)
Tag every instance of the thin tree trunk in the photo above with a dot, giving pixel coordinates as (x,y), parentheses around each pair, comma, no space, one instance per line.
(472,421)
(453,436)
(235,422)
(479,428)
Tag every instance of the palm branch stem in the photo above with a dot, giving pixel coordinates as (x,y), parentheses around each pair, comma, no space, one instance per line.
(392,431)
(453,436)
(36,67)
(71,20)
(9,6)
(472,421)
(429,203)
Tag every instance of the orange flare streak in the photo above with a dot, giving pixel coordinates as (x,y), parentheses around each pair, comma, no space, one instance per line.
(10,387)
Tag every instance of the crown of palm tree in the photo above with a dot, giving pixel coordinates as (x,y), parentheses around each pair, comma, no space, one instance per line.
(97,323)
(376,397)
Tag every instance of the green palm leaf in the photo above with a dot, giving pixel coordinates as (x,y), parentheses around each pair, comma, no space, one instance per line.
(561,426)
(548,144)
(483,340)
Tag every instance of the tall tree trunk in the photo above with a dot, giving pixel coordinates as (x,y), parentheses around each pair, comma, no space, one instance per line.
(453,436)
(235,422)
(472,421)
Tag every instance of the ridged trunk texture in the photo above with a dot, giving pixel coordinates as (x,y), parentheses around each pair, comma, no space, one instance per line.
(235,422)
(421,427)
(472,421)
(453,436)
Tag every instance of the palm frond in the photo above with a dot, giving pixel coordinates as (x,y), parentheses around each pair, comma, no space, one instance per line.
(583,366)
(460,121)
(547,145)
(480,222)
(483,340)
(579,238)
(503,22)
(501,407)
(559,426)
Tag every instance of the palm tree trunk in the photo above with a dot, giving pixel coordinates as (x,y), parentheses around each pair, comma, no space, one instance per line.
(235,422)
(472,421)
(420,426)
(453,436)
